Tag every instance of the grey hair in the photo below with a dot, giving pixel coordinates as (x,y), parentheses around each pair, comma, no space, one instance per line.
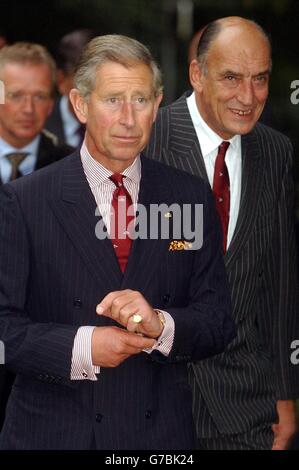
(210,34)
(113,48)
(28,53)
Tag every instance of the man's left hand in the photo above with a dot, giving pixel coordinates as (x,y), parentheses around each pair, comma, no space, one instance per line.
(122,306)
(286,427)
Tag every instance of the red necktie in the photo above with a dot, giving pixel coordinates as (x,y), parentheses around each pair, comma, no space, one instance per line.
(221,190)
(121,201)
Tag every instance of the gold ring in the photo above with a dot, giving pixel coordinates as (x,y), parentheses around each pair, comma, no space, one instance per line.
(137,318)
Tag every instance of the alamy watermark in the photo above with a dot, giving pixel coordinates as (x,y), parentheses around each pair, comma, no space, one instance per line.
(2,353)
(295,354)
(295,94)
(158,221)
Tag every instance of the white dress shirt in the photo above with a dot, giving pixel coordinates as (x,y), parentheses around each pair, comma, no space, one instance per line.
(103,188)
(209,143)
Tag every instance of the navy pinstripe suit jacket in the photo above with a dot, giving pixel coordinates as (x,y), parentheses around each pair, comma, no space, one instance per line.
(238,389)
(54,271)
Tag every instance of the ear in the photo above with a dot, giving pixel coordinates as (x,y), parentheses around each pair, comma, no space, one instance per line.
(79,105)
(195,75)
(158,100)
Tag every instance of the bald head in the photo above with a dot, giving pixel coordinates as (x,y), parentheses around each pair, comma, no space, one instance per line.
(228,30)
(231,75)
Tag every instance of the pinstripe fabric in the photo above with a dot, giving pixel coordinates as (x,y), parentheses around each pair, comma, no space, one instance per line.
(48,152)
(237,390)
(257,438)
(53,272)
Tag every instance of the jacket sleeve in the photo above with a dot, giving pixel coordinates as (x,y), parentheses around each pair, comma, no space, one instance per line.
(283,297)
(41,350)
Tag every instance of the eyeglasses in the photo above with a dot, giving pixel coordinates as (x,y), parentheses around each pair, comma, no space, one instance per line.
(19,97)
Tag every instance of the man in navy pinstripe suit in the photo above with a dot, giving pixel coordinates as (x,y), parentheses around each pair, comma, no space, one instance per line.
(240,394)
(69,311)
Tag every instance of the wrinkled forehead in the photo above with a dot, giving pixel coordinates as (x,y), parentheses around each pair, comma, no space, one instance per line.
(112,75)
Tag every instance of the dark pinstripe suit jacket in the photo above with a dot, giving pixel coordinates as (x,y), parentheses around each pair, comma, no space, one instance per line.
(238,389)
(54,122)
(53,272)
(48,152)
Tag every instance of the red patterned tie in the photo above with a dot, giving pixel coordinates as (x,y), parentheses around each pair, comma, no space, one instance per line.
(121,201)
(221,190)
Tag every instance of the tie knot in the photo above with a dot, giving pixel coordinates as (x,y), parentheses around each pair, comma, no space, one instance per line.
(16,157)
(117,179)
(223,147)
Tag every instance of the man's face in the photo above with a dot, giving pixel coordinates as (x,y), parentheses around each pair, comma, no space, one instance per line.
(28,102)
(232,92)
(119,113)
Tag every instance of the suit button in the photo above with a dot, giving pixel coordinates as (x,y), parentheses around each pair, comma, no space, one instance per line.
(77,303)
(148,414)
(99,417)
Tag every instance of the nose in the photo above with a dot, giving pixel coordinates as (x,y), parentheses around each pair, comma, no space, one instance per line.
(127,117)
(246,92)
(27,104)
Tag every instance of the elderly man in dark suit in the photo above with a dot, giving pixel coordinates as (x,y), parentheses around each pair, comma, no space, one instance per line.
(98,328)
(243,398)
(27,72)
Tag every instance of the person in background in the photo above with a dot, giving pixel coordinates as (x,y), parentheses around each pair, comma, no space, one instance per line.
(28,74)
(243,398)
(97,326)
(63,121)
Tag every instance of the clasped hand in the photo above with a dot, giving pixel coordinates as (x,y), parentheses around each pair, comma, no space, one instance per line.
(111,345)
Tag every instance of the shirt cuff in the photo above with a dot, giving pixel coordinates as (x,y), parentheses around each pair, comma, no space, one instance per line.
(165,341)
(82,367)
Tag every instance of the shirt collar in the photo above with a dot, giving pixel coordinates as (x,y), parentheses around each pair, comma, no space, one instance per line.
(30,148)
(96,173)
(209,140)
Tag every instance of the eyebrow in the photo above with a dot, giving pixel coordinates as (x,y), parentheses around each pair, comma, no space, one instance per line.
(240,75)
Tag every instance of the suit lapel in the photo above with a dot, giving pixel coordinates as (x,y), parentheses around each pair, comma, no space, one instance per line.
(76,211)
(45,152)
(154,189)
(184,147)
(252,178)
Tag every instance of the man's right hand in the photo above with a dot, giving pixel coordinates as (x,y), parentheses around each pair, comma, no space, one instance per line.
(111,345)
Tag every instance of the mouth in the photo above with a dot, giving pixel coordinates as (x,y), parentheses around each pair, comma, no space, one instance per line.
(126,139)
(26,123)
(241,112)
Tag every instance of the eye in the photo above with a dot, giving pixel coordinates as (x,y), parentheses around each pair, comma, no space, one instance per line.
(230,78)
(112,100)
(261,78)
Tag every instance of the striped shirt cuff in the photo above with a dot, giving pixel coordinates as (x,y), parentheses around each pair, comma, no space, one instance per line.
(165,341)
(82,367)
